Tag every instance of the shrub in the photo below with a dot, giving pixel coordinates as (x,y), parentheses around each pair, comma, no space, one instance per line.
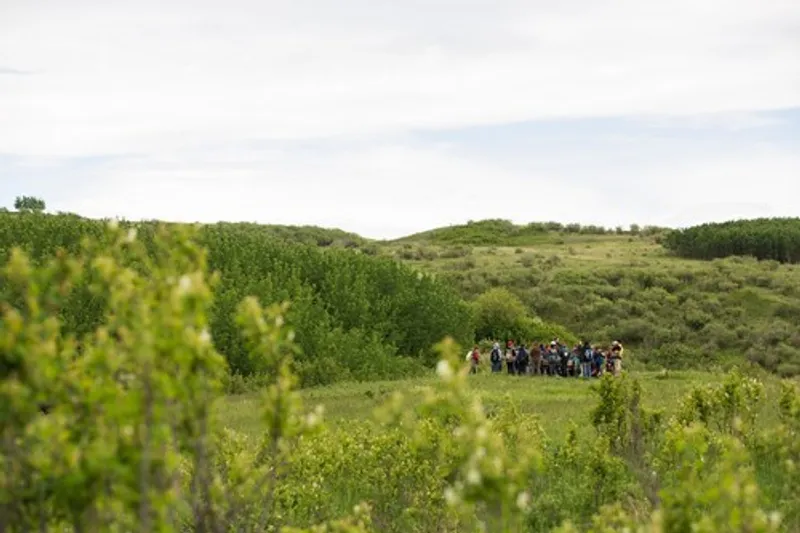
(455,252)
(499,314)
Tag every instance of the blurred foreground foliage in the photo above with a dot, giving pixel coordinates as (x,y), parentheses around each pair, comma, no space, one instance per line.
(112,429)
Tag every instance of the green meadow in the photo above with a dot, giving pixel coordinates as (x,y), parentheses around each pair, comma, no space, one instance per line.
(556,402)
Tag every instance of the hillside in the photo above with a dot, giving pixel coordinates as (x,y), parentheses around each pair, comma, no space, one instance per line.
(670,311)
(357,317)
(312,235)
(498,232)
(593,282)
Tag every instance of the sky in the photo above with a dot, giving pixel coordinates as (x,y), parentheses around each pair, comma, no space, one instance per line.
(388,117)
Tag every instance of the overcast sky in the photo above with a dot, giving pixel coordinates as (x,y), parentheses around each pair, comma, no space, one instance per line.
(387,117)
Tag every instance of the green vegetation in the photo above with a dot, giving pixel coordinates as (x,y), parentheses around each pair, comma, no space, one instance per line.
(777,239)
(668,311)
(27,204)
(361,316)
(504,233)
(500,314)
(125,427)
(556,403)
(356,316)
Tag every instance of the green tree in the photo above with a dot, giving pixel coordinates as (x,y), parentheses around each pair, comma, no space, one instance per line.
(29,204)
(499,314)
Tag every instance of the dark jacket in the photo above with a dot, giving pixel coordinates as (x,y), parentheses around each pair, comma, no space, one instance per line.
(587,355)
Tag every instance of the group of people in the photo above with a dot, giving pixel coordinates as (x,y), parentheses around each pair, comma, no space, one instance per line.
(557,359)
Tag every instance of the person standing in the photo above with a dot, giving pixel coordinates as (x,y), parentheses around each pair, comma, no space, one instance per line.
(553,363)
(587,358)
(563,359)
(522,360)
(496,359)
(511,358)
(475,360)
(574,363)
(599,361)
(616,357)
(536,359)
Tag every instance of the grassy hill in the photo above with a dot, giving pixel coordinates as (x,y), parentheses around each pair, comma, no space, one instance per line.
(498,232)
(593,282)
(670,311)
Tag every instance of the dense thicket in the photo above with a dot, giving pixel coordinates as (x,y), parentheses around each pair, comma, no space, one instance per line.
(313,235)
(763,238)
(355,315)
(497,232)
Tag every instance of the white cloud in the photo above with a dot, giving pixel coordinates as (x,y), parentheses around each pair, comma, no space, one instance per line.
(390,191)
(379,192)
(191,90)
(144,75)
(761,182)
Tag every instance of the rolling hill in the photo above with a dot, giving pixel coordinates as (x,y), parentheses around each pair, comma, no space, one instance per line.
(595,283)
(673,312)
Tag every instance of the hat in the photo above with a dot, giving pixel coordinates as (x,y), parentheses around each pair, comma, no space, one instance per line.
(553,343)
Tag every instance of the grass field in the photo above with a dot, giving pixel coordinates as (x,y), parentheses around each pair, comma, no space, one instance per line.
(361,457)
(570,251)
(557,402)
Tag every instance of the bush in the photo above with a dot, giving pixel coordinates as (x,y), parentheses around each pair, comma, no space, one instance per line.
(455,252)
(527,261)
(499,314)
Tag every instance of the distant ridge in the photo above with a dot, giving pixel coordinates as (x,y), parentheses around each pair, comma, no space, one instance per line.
(500,232)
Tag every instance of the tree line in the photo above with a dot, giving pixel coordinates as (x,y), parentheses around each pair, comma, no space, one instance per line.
(777,239)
